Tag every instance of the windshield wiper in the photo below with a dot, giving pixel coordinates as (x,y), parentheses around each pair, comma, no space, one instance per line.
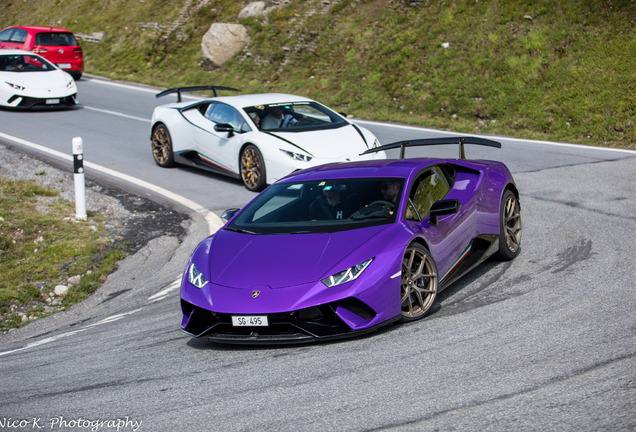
(242,231)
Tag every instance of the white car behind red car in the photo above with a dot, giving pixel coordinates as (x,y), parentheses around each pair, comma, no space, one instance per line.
(28,80)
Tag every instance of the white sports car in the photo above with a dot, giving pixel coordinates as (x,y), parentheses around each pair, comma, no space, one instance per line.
(258,138)
(28,80)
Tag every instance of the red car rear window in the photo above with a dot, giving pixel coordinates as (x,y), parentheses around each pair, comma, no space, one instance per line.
(55,39)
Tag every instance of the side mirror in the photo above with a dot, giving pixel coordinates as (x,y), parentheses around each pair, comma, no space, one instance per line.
(229,213)
(443,207)
(224,127)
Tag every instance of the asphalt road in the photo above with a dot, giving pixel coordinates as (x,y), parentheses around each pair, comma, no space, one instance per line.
(545,342)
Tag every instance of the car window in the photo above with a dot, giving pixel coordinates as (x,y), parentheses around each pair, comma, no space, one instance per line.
(19,36)
(13,35)
(5,35)
(225,114)
(55,39)
(26,63)
(429,187)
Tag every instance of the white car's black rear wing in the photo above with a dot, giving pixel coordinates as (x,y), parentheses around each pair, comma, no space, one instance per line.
(178,90)
(436,141)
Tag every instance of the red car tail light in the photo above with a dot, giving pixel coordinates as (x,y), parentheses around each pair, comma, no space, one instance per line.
(77,50)
(40,50)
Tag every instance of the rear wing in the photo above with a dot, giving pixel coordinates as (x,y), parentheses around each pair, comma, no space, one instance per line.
(178,90)
(436,141)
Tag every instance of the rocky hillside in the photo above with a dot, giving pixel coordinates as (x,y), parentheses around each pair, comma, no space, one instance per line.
(537,69)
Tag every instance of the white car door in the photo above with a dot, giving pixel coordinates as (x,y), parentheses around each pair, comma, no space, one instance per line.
(218,148)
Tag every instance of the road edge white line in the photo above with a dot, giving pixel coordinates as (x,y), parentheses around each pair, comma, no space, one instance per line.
(115,113)
(50,339)
(497,137)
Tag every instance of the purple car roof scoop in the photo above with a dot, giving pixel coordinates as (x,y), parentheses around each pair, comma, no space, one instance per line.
(244,261)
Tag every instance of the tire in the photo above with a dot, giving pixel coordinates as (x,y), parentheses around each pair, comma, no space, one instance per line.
(419,282)
(509,227)
(162,147)
(252,167)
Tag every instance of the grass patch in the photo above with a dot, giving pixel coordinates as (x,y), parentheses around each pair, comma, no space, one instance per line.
(42,246)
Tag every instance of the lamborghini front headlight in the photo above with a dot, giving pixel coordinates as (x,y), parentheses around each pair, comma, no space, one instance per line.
(297,156)
(348,275)
(15,86)
(195,277)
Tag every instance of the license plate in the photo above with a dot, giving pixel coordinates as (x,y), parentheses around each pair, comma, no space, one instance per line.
(250,321)
(52,101)
(64,65)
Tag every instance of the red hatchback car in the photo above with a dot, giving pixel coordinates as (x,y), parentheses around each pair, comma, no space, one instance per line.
(56,44)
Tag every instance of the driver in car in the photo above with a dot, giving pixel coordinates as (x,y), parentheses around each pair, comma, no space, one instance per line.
(277,119)
(15,64)
(331,204)
(390,191)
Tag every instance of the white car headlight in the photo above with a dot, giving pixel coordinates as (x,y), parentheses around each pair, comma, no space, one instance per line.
(297,156)
(70,85)
(195,277)
(376,143)
(15,86)
(348,275)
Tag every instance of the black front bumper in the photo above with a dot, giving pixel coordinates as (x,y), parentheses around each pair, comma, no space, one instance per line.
(312,324)
(29,102)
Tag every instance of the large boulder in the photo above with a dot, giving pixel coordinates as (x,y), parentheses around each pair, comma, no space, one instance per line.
(222,42)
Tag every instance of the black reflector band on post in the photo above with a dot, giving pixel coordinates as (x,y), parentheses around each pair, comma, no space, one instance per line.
(78,163)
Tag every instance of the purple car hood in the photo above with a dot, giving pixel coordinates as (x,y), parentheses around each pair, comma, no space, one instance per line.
(241,260)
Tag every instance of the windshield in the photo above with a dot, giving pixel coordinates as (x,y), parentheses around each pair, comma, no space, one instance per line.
(24,63)
(294,117)
(321,206)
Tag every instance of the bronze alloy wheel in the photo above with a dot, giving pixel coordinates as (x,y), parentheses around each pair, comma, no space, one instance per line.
(419,282)
(252,168)
(510,227)
(162,146)
(512,223)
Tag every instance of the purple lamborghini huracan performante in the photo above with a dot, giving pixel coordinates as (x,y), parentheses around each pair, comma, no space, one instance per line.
(342,249)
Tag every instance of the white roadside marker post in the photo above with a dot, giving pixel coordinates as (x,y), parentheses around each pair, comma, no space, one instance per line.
(78,177)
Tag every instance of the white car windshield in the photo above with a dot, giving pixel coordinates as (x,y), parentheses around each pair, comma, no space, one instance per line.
(294,117)
(321,206)
(24,63)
